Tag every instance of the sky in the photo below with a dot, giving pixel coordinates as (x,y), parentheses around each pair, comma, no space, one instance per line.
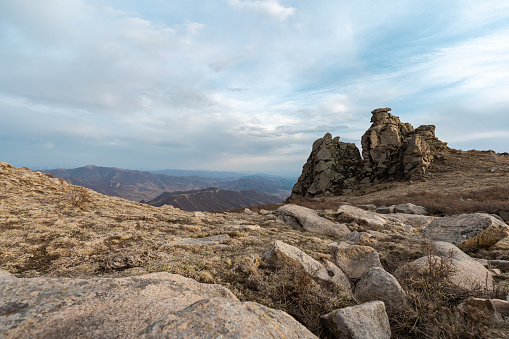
(242,85)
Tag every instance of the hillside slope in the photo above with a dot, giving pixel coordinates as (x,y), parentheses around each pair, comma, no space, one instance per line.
(213,199)
(142,185)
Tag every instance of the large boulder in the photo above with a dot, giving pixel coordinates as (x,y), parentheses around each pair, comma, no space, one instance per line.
(377,284)
(363,321)
(354,260)
(307,219)
(458,228)
(282,254)
(122,307)
(226,318)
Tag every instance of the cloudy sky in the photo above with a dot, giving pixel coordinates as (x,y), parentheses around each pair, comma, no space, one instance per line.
(242,85)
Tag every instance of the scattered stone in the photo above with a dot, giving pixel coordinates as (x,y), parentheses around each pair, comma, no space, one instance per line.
(308,220)
(413,220)
(409,208)
(241,227)
(225,318)
(337,276)
(500,264)
(502,244)
(368,207)
(458,228)
(219,240)
(354,260)
(478,309)
(487,238)
(356,236)
(248,211)
(385,209)
(368,320)
(358,215)
(282,254)
(377,284)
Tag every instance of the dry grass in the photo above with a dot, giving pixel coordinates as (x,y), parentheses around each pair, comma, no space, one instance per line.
(434,301)
(488,200)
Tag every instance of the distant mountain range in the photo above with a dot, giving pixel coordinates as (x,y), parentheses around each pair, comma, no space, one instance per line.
(213,199)
(143,185)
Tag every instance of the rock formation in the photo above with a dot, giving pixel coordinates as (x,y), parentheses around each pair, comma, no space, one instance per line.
(390,150)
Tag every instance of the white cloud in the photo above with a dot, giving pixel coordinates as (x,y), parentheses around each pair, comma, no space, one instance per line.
(268,7)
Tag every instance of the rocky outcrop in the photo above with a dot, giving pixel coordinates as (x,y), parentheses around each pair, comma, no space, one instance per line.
(367,320)
(390,150)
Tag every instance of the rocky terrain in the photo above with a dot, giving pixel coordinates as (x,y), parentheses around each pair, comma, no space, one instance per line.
(364,264)
(213,199)
(143,185)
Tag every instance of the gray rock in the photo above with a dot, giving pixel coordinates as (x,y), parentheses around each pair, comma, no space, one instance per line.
(95,308)
(282,254)
(241,227)
(363,321)
(225,318)
(308,220)
(476,308)
(368,207)
(409,208)
(213,241)
(355,236)
(458,228)
(354,260)
(361,216)
(385,209)
(466,272)
(413,220)
(377,284)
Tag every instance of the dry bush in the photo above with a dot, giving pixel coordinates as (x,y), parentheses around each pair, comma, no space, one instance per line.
(288,289)
(488,200)
(78,197)
(434,302)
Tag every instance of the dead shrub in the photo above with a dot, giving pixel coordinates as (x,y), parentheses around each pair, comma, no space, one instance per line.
(488,200)
(78,197)
(289,289)
(434,300)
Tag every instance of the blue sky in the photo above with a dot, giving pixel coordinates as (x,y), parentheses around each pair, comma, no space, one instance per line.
(242,85)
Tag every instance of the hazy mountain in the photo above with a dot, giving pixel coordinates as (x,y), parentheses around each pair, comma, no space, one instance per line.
(144,185)
(213,199)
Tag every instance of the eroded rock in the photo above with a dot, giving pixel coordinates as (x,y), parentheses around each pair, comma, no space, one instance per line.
(226,318)
(308,220)
(377,284)
(368,320)
(458,228)
(354,260)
